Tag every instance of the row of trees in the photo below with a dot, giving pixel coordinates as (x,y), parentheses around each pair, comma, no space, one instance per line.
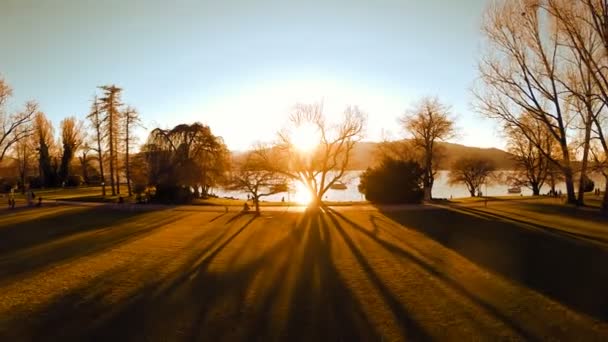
(44,161)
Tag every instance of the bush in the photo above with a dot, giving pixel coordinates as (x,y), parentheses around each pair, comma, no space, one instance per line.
(34,182)
(394,181)
(172,194)
(74,180)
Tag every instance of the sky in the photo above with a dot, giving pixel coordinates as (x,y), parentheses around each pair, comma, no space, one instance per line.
(240,66)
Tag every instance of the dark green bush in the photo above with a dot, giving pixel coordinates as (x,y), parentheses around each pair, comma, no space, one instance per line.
(393,181)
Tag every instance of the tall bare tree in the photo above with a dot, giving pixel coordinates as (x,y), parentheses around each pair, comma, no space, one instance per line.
(131,120)
(17,125)
(110,105)
(327,162)
(584,24)
(96,119)
(521,73)
(427,123)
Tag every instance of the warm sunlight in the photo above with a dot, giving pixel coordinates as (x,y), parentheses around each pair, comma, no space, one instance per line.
(302,194)
(305,137)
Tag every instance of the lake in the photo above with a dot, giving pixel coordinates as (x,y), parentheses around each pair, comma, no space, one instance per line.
(441,189)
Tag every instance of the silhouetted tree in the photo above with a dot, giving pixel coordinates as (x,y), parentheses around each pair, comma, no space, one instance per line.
(393,181)
(184,157)
(71,138)
(252,176)
(325,164)
(45,140)
(472,172)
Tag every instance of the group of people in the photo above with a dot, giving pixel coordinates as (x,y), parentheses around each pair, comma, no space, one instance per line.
(597,191)
(30,197)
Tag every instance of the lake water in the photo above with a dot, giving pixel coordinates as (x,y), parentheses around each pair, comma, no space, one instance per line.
(441,189)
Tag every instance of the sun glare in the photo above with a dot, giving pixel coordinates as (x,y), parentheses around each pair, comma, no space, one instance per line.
(305,137)
(302,194)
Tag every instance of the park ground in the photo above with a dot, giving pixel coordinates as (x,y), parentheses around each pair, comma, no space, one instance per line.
(508,269)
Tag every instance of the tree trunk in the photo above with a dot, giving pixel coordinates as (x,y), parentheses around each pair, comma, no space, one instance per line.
(569,180)
(535,189)
(128,174)
(581,183)
(256,201)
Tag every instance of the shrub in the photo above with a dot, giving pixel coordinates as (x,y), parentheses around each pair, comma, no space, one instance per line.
(34,182)
(173,194)
(74,180)
(393,181)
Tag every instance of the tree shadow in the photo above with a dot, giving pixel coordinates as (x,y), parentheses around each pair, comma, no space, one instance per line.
(39,243)
(299,294)
(568,270)
(402,253)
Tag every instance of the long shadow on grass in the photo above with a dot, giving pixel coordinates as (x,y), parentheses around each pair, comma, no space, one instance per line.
(289,290)
(36,244)
(570,271)
(402,253)
(410,329)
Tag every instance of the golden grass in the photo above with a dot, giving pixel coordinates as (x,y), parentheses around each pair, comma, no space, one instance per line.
(348,275)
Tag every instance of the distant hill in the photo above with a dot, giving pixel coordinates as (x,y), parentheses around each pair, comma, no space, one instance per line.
(364,155)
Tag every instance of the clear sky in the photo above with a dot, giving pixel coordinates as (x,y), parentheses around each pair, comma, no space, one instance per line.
(239,66)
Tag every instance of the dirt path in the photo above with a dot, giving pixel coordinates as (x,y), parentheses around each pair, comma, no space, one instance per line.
(197,275)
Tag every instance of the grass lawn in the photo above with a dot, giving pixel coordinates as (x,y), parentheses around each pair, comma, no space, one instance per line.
(513,270)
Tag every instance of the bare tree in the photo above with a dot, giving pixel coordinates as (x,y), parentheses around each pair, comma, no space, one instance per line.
(521,74)
(96,120)
(130,120)
(110,105)
(584,24)
(426,123)
(25,151)
(14,126)
(330,152)
(252,176)
(532,165)
(473,172)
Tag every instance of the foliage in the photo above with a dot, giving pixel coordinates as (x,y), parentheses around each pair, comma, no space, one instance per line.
(71,138)
(184,157)
(393,181)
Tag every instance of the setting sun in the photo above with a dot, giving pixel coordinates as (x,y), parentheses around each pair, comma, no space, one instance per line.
(302,194)
(305,137)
